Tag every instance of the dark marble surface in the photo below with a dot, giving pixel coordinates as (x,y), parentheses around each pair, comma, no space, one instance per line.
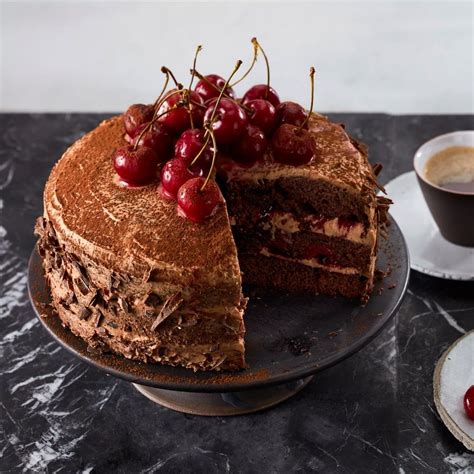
(371,413)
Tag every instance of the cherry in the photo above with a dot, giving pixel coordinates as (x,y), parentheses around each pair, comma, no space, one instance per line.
(469,402)
(210,86)
(158,138)
(291,112)
(292,145)
(136,115)
(197,199)
(178,120)
(136,167)
(263,115)
(251,147)
(173,175)
(259,91)
(320,252)
(230,121)
(188,146)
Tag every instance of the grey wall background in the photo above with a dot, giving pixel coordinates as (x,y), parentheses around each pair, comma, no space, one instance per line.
(392,56)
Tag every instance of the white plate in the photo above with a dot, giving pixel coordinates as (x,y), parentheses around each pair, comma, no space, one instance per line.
(430,253)
(454,374)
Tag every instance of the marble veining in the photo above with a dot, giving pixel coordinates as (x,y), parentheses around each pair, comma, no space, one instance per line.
(371,413)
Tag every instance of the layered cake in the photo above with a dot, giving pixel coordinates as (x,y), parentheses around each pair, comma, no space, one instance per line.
(152,220)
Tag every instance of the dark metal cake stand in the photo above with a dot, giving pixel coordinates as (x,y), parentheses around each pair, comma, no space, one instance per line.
(289,338)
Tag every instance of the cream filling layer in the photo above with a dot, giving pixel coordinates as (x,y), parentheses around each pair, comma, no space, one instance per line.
(285,222)
(313,263)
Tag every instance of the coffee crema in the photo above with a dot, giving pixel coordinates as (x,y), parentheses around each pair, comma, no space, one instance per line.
(452,169)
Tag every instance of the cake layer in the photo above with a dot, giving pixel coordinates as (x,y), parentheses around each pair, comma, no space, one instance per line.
(331,227)
(338,182)
(271,272)
(297,196)
(336,252)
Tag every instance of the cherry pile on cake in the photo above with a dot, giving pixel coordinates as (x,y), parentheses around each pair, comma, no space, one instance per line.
(153,219)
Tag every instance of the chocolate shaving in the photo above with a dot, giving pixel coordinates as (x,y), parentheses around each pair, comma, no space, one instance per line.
(92,298)
(232,323)
(85,313)
(219,362)
(97,299)
(153,300)
(71,298)
(188,320)
(377,168)
(124,305)
(82,285)
(114,281)
(97,319)
(169,307)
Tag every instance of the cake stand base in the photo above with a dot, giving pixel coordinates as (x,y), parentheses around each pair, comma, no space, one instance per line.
(223,404)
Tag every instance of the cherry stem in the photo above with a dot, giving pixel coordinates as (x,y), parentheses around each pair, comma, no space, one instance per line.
(311,78)
(214,154)
(166,70)
(201,151)
(153,120)
(267,64)
(252,64)
(208,126)
(198,50)
(236,68)
(188,93)
(165,85)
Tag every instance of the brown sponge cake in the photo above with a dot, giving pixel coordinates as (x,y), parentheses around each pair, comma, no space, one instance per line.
(319,221)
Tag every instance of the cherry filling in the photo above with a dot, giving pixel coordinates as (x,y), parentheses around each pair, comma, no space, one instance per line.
(320,253)
(283,247)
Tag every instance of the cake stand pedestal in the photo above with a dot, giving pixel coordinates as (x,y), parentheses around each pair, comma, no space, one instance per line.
(223,404)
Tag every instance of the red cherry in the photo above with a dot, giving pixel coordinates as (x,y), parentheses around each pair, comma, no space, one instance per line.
(291,112)
(469,402)
(173,175)
(135,116)
(177,121)
(158,138)
(231,121)
(320,252)
(197,204)
(207,91)
(251,147)
(292,145)
(136,167)
(259,91)
(187,147)
(263,115)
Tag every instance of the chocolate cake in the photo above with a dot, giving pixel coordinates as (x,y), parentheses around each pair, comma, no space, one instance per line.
(152,219)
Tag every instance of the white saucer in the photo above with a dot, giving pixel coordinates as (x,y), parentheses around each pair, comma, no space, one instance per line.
(430,253)
(453,375)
